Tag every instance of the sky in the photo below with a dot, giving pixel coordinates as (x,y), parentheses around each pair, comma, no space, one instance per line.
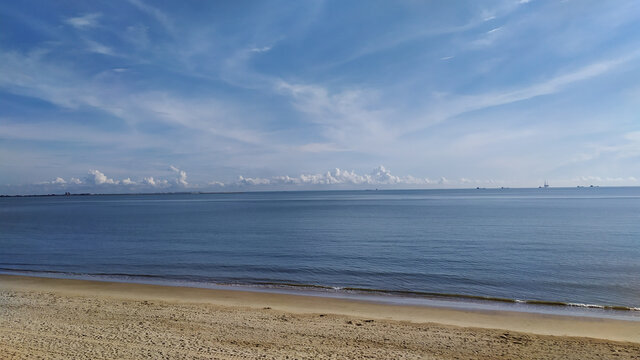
(140,95)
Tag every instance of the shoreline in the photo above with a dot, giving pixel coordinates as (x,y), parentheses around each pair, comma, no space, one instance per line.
(48,318)
(389,297)
(533,323)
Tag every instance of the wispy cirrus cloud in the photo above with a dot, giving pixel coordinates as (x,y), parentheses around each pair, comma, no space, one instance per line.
(96,47)
(260,49)
(453,105)
(31,75)
(157,14)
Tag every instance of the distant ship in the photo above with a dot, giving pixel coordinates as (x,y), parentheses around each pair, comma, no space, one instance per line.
(546,185)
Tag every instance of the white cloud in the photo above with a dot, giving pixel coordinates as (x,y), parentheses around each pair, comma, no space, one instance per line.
(262,49)
(31,75)
(149,181)
(488,38)
(98,178)
(98,48)
(85,21)
(450,106)
(155,182)
(56,181)
(182,176)
(342,113)
(379,176)
(413,32)
(336,178)
(253,181)
(156,13)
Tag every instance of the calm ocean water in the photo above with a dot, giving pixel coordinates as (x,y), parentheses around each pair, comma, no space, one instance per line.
(577,245)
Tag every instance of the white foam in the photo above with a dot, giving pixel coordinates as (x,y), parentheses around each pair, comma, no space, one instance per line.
(592,306)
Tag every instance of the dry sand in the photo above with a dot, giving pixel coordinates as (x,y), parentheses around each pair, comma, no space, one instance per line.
(73,319)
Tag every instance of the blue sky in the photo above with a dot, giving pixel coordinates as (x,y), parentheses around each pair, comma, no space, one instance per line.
(121,96)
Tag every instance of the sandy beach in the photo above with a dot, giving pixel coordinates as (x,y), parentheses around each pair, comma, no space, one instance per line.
(64,319)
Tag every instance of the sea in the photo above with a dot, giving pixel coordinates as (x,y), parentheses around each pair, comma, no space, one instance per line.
(549,250)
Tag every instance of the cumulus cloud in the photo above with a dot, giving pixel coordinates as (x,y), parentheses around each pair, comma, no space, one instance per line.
(182,176)
(383,176)
(149,181)
(253,181)
(155,182)
(56,181)
(378,176)
(98,178)
(97,181)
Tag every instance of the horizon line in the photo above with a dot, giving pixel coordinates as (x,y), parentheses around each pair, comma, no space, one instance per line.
(319,190)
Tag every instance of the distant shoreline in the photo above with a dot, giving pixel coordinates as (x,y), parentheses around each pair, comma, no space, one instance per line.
(115,194)
(321,190)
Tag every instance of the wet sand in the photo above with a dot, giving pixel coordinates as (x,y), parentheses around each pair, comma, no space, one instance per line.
(63,319)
